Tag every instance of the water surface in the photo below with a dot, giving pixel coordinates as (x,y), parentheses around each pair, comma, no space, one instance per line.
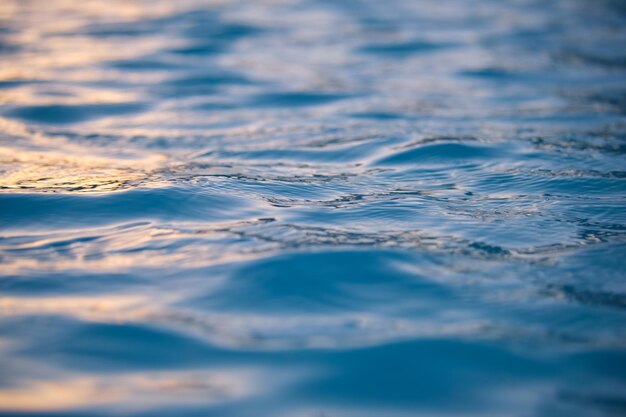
(312,208)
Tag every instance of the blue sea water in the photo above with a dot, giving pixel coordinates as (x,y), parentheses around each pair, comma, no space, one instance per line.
(307,208)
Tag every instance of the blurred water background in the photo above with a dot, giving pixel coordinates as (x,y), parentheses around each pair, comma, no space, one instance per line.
(312,208)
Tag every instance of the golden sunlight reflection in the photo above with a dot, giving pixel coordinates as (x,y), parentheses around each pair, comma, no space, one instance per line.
(192,257)
(50,171)
(97,308)
(131,390)
(77,95)
(49,53)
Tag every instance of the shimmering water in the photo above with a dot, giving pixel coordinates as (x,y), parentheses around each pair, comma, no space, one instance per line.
(312,208)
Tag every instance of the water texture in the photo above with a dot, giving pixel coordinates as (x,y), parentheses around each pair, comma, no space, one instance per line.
(312,208)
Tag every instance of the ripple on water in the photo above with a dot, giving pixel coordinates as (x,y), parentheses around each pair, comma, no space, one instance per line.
(164,204)
(447,152)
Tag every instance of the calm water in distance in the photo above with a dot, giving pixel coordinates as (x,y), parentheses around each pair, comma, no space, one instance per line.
(340,208)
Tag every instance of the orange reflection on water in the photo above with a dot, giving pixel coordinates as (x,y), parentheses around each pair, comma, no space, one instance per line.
(52,395)
(122,262)
(53,36)
(98,308)
(55,172)
(128,390)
